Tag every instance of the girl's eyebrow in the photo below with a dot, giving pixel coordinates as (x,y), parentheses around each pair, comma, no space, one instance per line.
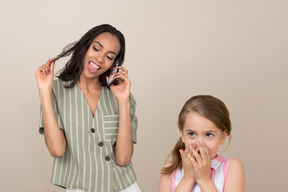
(103,47)
(208,131)
(189,130)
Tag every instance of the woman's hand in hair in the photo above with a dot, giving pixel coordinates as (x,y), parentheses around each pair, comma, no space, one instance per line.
(122,90)
(44,75)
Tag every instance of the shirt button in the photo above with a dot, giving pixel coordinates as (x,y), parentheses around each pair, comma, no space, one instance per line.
(92,130)
(107,158)
(100,144)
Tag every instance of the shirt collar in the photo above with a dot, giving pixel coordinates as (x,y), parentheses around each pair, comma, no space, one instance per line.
(217,161)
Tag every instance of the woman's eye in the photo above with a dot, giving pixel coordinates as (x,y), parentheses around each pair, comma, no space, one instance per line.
(110,58)
(95,49)
(209,135)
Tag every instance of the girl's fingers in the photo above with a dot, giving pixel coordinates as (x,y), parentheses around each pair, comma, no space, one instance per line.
(206,149)
(202,151)
(184,153)
(181,153)
(190,157)
(187,149)
(208,158)
(194,162)
(196,155)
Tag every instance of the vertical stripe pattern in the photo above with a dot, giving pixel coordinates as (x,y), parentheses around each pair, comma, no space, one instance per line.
(89,162)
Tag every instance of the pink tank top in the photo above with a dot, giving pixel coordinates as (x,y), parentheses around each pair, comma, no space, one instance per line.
(219,167)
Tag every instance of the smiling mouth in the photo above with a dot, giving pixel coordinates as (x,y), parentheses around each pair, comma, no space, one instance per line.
(94,65)
(93,68)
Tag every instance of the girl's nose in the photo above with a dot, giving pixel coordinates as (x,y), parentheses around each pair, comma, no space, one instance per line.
(200,140)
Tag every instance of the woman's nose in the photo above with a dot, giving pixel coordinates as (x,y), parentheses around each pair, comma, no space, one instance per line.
(99,57)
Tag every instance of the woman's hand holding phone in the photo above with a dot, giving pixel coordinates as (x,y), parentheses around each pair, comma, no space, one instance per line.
(121,91)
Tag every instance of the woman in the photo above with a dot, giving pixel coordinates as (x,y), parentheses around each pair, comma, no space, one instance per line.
(89,127)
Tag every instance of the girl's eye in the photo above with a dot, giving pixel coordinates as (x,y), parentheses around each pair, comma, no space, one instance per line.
(209,135)
(191,134)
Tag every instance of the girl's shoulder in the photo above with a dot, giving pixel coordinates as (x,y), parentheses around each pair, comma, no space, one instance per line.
(236,164)
(229,162)
(165,181)
(232,165)
(235,176)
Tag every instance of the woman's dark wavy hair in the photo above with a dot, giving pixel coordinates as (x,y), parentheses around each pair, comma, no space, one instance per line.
(78,49)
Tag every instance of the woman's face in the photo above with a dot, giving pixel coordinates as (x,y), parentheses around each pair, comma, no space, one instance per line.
(100,55)
(199,129)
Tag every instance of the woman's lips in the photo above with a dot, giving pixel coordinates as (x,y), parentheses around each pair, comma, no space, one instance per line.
(92,67)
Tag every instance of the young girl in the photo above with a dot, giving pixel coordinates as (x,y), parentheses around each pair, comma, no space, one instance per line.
(89,127)
(195,165)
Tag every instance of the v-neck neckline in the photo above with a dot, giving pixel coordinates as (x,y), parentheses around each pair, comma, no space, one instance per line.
(99,101)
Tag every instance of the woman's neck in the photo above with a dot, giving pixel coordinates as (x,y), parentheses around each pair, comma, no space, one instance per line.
(89,84)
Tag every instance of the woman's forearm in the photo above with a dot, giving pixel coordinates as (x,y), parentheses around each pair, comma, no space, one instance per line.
(54,136)
(124,143)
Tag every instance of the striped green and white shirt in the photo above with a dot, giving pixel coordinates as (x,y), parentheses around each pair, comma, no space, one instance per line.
(89,161)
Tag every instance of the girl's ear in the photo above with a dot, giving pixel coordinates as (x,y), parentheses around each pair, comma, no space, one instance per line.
(182,136)
(224,135)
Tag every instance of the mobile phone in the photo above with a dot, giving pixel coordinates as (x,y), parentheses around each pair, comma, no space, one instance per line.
(114,70)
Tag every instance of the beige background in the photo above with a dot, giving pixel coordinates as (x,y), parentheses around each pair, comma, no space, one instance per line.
(234,50)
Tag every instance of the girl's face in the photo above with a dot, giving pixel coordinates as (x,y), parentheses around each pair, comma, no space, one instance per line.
(198,128)
(100,55)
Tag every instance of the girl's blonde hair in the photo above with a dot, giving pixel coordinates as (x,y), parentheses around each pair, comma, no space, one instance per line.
(207,106)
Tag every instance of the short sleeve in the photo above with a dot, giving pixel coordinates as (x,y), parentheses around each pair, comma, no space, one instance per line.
(133,118)
(56,112)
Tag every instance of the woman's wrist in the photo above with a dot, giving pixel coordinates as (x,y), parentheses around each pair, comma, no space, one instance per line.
(123,102)
(45,94)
